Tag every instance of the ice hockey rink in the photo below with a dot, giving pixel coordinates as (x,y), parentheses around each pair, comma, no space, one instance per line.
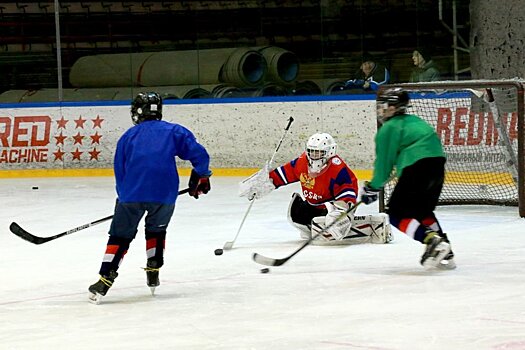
(367,296)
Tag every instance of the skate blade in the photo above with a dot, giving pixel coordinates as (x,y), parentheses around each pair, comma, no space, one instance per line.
(447,264)
(442,249)
(152,290)
(95,298)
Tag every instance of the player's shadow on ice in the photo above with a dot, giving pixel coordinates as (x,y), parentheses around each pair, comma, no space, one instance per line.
(416,271)
(145,297)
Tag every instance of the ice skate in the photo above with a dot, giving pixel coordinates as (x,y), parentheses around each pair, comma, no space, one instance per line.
(152,276)
(448,262)
(101,287)
(436,250)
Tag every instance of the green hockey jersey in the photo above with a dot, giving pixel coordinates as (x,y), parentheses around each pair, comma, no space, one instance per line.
(400,142)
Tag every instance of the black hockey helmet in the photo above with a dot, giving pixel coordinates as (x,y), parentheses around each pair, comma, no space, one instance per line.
(146,106)
(395,97)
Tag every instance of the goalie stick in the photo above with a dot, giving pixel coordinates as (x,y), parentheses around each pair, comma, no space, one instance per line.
(263,260)
(229,245)
(25,235)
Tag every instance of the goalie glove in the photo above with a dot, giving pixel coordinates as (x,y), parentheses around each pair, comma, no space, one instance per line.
(258,185)
(198,184)
(369,194)
(339,219)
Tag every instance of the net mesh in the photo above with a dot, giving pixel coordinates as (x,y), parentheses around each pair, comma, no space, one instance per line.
(478,124)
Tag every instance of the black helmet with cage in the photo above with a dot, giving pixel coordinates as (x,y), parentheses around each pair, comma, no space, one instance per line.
(393,97)
(146,106)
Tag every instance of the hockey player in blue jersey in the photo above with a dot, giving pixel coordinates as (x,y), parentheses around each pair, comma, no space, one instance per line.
(147,181)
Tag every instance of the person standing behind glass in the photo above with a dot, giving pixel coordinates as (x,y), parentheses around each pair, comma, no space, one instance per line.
(370,75)
(425,69)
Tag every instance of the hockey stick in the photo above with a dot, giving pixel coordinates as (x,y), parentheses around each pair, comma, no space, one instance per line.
(229,245)
(20,232)
(290,120)
(263,260)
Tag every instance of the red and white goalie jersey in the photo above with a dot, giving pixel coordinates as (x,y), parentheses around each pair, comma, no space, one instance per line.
(335,182)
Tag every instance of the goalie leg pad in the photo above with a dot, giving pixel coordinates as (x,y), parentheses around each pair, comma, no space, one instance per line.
(321,238)
(338,221)
(364,229)
(376,227)
(325,238)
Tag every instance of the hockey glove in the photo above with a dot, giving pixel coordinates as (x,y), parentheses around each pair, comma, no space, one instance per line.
(198,184)
(337,217)
(369,194)
(258,185)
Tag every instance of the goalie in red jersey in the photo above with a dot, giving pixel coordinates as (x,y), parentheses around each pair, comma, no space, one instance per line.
(329,188)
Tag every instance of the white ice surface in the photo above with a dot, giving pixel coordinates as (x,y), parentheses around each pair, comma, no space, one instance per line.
(367,296)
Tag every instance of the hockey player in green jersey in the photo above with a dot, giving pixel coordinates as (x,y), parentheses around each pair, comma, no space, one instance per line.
(411,146)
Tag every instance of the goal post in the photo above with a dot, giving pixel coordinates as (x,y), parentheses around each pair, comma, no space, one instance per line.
(481,126)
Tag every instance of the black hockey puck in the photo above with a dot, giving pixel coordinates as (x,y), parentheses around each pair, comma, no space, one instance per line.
(218,251)
(34,188)
(265,270)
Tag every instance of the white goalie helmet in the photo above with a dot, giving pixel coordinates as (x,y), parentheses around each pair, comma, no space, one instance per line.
(320,148)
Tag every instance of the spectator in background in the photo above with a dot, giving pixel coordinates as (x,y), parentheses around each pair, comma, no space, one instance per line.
(370,75)
(425,69)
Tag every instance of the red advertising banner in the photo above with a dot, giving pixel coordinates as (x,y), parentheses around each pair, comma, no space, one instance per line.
(40,139)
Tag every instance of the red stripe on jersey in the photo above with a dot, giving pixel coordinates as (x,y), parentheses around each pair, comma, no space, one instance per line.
(151,243)
(428,221)
(403,225)
(112,249)
(284,175)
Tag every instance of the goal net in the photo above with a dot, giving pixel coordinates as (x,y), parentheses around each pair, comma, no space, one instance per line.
(480,124)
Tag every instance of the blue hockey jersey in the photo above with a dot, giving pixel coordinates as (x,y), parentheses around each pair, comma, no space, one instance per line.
(144,164)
